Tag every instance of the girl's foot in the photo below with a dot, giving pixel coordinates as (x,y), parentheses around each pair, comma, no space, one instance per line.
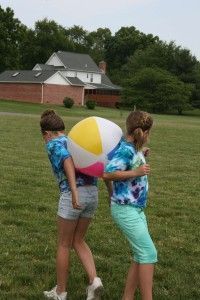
(95,289)
(52,294)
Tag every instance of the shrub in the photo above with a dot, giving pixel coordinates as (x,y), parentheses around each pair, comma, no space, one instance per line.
(117,104)
(124,105)
(68,102)
(90,104)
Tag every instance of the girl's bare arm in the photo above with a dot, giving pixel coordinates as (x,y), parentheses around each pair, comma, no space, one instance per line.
(70,173)
(123,175)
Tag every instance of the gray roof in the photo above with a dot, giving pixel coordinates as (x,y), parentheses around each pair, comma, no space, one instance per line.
(75,81)
(34,77)
(78,61)
(105,84)
(105,87)
(106,81)
(26,76)
(37,76)
(50,67)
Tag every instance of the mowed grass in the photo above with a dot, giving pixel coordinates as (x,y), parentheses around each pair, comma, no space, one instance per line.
(28,206)
(76,112)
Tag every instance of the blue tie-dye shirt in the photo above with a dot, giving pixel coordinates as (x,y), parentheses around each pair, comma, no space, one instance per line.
(130,191)
(57,152)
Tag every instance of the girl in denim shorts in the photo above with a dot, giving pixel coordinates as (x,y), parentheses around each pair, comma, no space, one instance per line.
(128,171)
(77,205)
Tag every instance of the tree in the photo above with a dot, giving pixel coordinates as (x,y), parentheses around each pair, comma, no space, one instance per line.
(157,90)
(169,57)
(11,35)
(195,101)
(121,46)
(28,50)
(78,38)
(50,37)
(96,41)
(174,59)
(124,44)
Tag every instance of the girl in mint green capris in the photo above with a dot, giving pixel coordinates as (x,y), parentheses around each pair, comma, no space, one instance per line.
(128,171)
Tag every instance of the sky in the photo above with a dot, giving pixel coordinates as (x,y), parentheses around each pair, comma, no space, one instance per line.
(171,20)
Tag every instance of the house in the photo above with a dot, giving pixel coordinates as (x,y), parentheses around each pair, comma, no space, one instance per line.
(65,74)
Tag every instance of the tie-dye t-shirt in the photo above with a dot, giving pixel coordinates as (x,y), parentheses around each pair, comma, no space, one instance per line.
(57,152)
(130,191)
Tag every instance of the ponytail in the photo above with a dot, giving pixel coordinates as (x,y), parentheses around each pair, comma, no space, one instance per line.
(139,139)
(136,124)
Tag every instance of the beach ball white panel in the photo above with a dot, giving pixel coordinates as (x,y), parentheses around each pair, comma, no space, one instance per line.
(110,134)
(81,157)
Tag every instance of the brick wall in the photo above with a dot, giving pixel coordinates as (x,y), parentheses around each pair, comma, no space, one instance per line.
(104,100)
(56,93)
(21,92)
(33,93)
(52,94)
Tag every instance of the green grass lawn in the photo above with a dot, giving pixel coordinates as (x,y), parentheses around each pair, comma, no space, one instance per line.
(28,205)
(77,112)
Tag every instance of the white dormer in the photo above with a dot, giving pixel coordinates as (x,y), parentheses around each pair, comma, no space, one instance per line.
(37,68)
(54,61)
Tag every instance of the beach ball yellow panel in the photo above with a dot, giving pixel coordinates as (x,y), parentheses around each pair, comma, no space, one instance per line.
(86,134)
(92,143)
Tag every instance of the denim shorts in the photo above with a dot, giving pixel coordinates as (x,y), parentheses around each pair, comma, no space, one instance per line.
(132,222)
(88,198)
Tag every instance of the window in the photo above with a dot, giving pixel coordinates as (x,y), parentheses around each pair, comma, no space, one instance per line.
(15,74)
(38,74)
(91,78)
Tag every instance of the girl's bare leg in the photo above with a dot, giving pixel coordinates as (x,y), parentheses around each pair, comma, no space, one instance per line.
(131,282)
(146,280)
(83,251)
(66,229)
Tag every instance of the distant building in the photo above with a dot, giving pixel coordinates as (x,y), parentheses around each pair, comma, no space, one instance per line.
(65,74)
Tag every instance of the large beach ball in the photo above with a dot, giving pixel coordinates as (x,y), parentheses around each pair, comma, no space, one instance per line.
(92,143)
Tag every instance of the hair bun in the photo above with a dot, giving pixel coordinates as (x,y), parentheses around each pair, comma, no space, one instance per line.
(48,112)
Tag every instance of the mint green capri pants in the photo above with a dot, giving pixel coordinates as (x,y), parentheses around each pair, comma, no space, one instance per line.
(132,222)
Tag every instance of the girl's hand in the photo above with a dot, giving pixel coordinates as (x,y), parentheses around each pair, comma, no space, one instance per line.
(142,170)
(75,203)
(146,151)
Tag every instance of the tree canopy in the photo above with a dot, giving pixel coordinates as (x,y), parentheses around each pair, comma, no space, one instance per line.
(11,36)
(157,90)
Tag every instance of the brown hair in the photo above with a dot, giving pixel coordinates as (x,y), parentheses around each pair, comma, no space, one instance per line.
(50,121)
(136,123)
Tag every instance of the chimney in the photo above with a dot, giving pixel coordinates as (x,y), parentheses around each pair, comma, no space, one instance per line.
(102,66)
